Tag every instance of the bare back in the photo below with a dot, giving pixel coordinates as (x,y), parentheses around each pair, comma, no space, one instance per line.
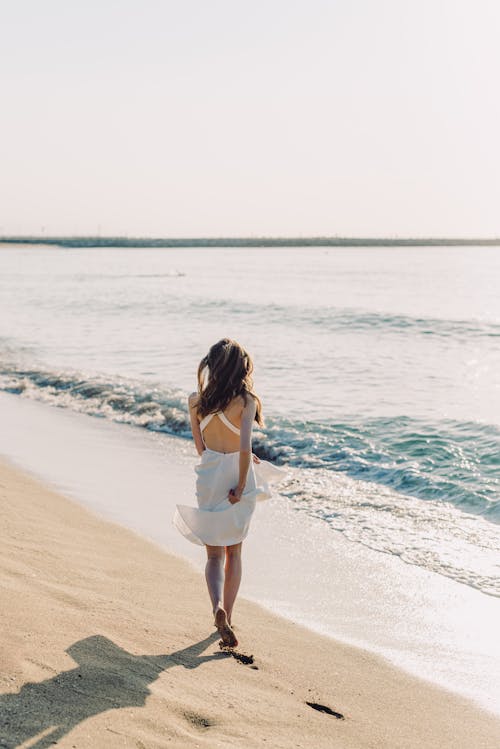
(217,435)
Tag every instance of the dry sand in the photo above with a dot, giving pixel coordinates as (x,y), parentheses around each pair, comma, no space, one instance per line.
(107,641)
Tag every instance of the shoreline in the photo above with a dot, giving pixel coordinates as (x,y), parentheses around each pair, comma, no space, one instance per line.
(423,623)
(76,587)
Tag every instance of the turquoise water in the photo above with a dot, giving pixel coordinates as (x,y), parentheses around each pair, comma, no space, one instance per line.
(378,368)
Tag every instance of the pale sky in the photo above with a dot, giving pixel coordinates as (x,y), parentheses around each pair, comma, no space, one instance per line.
(265,117)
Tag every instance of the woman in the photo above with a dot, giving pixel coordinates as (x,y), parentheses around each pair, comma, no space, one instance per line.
(229,478)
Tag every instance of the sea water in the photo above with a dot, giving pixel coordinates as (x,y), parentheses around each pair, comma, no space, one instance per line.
(379,370)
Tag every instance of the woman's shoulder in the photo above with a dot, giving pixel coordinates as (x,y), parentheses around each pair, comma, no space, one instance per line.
(247,400)
(237,404)
(193,399)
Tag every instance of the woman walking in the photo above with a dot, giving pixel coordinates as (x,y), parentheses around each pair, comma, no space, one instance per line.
(230,479)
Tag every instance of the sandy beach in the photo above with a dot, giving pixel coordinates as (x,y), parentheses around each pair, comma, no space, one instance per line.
(108,641)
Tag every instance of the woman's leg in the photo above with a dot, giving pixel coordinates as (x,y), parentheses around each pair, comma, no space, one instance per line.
(232,577)
(214,575)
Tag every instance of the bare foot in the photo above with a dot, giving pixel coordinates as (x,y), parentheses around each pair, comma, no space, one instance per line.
(225,631)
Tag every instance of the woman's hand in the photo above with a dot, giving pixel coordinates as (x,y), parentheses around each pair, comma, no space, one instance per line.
(235,495)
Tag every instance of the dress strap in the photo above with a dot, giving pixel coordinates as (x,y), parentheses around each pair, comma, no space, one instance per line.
(204,421)
(226,421)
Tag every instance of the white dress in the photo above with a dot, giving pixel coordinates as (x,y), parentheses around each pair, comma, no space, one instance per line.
(216,521)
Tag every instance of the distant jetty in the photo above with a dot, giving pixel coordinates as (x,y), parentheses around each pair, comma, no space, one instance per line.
(249,241)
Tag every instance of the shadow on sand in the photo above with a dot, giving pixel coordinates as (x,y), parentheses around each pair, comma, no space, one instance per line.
(107,677)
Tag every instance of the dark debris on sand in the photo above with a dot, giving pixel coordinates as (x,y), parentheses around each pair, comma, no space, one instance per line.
(325,709)
(240,657)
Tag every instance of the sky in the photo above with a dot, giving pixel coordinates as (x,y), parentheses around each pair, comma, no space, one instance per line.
(189,118)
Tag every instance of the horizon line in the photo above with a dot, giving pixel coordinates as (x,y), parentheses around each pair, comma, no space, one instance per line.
(99,240)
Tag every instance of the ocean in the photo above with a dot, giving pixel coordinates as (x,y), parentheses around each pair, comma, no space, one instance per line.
(378,369)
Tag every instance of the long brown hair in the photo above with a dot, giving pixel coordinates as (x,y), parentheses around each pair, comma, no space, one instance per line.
(229,374)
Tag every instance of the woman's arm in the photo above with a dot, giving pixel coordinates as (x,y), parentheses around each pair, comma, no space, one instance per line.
(195,424)
(247,419)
